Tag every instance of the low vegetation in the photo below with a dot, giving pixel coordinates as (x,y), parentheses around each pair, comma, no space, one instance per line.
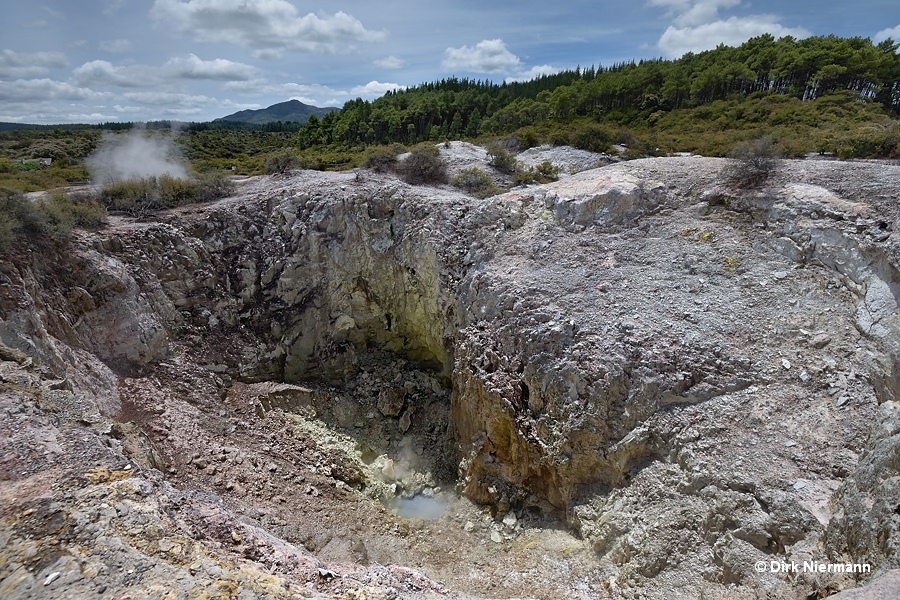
(52,216)
(752,163)
(381,158)
(423,166)
(501,159)
(542,173)
(475,182)
(141,196)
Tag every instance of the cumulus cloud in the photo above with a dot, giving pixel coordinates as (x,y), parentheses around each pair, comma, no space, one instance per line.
(116,46)
(169,98)
(893,33)
(268,27)
(101,72)
(375,88)
(193,67)
(697,26)
(29,64)
(734,31)
(488,56)
(45,90)
(689,13)
(533,73)
(388,62)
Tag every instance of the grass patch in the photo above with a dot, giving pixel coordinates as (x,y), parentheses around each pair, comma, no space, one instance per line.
(141,196)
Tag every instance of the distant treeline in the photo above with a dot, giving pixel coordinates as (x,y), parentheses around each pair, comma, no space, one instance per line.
(625,93)
(273,127)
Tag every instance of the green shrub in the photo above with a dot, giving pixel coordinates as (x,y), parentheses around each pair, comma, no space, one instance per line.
(592,137)
(543,173)
(140,196)
(501,159)
(423,165)
(475,182)
(52,216)
(527,138)
(380,158)
(281,162)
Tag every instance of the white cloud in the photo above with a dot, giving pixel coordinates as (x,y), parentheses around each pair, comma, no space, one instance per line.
(101,72)
(192,67)
(689,13)
(269,27)
(29,64)
(893,33)
(113,7)
(676,41)
(45,90)
(116,46)
(488,56)
(375,88)
(388,62)
(290,89)
(169,98)
(533,73)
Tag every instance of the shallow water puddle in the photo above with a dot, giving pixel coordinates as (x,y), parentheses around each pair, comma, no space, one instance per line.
(420,507)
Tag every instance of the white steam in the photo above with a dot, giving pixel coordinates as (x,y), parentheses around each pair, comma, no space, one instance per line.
(135,155)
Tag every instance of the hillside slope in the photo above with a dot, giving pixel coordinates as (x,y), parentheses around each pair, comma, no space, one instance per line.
(292,110)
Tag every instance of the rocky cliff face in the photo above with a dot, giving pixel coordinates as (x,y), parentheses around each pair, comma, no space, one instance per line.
(694,378)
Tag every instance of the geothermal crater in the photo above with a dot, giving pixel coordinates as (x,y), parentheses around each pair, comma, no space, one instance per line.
(637,381)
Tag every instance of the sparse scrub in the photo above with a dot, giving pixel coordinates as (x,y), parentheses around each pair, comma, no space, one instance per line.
(752,163)
(139,196)
(476,182)
(543,173)
(501,159)
(423,165)
(381,158)
(281,162)
(53,216)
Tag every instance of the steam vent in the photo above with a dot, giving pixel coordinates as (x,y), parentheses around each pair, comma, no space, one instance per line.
(638,381)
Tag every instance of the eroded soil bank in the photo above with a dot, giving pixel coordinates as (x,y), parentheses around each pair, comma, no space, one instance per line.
(634,382)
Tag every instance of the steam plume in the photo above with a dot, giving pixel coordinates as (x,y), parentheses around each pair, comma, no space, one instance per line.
(135,155)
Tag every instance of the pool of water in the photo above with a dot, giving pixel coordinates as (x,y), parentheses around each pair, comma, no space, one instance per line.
(420,507)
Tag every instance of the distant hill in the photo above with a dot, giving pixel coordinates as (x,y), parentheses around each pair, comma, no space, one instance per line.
(292,110)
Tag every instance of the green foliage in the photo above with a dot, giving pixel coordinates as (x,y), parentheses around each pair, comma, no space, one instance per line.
(592,137)
(626,94)
(53,216)
(752,163)
(381,158)
(501,159)
(543,173)
(140,196)
(475,182)
(281,161)
(222,149)
(423,165)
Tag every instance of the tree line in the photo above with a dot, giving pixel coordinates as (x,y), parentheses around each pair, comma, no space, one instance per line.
(625,93)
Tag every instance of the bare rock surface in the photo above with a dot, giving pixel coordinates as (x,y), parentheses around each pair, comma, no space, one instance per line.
(637,381)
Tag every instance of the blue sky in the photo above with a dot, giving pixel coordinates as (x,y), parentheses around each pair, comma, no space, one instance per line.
(196,60)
